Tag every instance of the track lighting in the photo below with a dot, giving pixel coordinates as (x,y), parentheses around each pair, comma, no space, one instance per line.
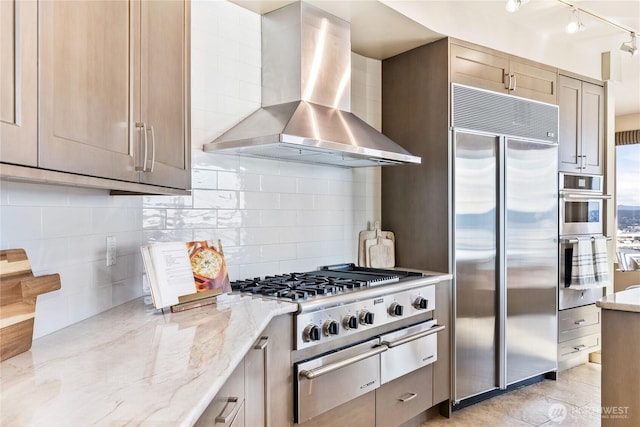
(631,46)
(575,24)
(514,5)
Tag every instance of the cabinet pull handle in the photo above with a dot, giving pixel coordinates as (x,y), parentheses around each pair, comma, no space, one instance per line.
(579,347)
(262,346)
(515,82)
(227,411)
(407,397)
(146,147)
(262,343)
(153,152)
(580,322)
(509,81)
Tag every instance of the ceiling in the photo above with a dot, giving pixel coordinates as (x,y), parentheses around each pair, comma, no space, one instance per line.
(380,29)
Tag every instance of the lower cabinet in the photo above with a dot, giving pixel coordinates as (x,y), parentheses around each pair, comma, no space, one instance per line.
(259,392)
(578,334)
(227,408)
(404,398)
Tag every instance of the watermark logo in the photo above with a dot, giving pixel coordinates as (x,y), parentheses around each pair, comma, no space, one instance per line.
(557,412)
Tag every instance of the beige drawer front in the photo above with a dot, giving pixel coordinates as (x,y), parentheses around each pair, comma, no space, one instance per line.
(404,398)
(227,408)
(578,322)
(575,347)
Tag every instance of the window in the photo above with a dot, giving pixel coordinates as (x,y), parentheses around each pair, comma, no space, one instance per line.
(628,204)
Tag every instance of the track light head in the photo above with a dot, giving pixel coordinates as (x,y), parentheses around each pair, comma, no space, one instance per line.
(575,24)
(514,5)
(631,46)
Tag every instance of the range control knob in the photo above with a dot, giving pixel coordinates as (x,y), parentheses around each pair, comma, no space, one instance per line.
(396,309)
(421,303)
(330,327)
(366,318)
(350,322)
(311,333)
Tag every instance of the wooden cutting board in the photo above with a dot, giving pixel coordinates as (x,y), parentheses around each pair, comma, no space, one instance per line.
(369,238)
(18,292)
(382,254)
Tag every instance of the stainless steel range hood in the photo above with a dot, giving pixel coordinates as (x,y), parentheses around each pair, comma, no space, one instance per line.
(306,98)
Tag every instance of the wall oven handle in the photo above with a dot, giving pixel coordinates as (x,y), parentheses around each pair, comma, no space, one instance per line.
(322,370)
(432,330)
(586,197)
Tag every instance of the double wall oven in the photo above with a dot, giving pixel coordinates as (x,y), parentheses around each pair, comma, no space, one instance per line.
(582,202)
(356,329)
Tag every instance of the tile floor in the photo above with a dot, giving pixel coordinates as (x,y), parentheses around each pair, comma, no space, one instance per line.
(572,400)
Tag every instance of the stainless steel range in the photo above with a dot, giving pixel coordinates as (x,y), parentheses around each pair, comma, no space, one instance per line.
(355,329)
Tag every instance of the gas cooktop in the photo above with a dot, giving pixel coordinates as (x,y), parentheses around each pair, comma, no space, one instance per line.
(329,280)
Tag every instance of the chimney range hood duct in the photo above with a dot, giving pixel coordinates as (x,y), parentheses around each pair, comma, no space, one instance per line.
(306,99)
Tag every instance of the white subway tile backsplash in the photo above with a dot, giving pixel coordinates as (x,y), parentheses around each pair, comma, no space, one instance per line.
(216,199)
(66,221)
(27,194)
(258,200)
(238,181)
(297,202)
(238,218)
(191,218)
(18,223)
(277,218)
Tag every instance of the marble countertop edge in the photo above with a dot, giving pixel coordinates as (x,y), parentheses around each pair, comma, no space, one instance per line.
(627,300)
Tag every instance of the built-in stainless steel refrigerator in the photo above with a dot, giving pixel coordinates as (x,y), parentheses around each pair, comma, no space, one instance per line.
(505,229)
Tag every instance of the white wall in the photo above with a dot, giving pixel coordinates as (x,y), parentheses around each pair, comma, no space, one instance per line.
(272,216)
(64,230)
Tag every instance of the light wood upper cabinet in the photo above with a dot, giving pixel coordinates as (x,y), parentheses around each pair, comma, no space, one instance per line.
(85,87)
(114,90)
(580,148)
(484,68)
(479,69)
(163,35)
(18,82)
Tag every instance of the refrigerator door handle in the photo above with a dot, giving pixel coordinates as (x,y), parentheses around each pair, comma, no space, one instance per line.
(501,267)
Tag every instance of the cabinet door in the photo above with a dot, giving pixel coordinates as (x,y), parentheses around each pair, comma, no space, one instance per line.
(530,81)
(479,69)
(163,39)
(592,128)
(569,103)
(18,82)
(85,87)
(255,380)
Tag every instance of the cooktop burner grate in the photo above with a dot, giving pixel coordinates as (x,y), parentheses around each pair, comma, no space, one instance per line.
(325,282)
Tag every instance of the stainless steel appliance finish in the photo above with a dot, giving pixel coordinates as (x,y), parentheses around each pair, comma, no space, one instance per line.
(581,214)
(354,326)
(409,349)
(505,259)
(306,98)
(570,298)
(581,205)
(328,381)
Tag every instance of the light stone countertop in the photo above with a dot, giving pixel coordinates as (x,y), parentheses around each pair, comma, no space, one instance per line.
(133,365)
(627,300)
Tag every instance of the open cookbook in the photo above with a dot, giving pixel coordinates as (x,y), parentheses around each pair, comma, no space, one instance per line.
(180,272)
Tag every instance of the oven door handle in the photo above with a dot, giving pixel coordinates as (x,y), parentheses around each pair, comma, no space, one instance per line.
(586,197)
(322,370)
(432,330)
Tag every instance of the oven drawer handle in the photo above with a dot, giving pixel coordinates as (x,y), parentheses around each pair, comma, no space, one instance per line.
(434,329)
(322,370)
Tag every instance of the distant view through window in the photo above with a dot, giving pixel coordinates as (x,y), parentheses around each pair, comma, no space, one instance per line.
(628,197)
